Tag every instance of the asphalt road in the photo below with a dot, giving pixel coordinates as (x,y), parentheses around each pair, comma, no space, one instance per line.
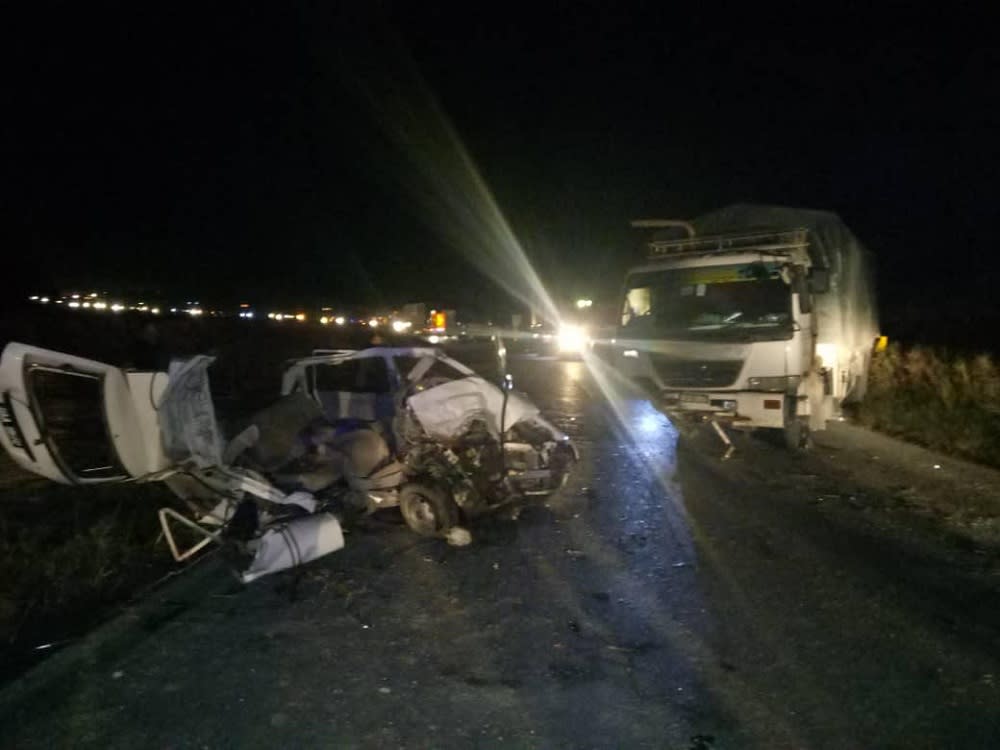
(663,599)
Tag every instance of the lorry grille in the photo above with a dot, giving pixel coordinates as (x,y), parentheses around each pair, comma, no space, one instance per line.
(693,373)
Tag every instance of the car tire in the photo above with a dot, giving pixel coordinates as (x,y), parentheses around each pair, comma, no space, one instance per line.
(427,509)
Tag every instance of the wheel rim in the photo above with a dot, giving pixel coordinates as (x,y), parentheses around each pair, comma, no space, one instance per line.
(421,512)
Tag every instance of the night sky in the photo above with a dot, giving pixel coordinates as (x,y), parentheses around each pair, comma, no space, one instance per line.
(270,155)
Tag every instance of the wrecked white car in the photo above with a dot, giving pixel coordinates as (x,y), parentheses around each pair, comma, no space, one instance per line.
(353,432)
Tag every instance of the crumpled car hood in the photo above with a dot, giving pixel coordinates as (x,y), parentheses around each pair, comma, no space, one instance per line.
(444,410)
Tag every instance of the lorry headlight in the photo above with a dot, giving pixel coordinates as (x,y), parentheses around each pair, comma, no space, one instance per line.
(631,353)
(827,354)
(572,339)
(774,384)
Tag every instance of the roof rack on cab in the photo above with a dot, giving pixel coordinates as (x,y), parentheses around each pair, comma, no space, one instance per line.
(780,242)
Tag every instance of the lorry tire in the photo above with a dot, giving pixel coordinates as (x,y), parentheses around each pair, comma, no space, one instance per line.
(427,509)
(796,428)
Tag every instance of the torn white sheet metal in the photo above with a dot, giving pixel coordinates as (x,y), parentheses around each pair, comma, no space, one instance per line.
(445,410)
(187,415)
(113,414)
(220,515)
(294,543)
(223,511)
(304,500)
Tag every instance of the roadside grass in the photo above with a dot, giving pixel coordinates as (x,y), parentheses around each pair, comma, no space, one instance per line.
(65,556)
(946,402)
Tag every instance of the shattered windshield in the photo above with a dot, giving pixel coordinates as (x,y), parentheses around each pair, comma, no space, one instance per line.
(741,302)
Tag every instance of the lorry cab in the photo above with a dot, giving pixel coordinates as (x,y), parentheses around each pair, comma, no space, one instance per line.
(743,327)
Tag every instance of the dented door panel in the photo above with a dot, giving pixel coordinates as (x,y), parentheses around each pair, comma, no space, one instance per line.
(76,420)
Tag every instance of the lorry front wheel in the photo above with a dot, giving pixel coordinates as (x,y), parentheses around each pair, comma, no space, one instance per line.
(796,428)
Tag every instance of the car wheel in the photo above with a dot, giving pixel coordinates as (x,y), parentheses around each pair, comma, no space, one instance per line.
(427,509)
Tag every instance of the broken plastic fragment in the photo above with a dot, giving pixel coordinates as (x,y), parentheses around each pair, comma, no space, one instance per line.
(456,536)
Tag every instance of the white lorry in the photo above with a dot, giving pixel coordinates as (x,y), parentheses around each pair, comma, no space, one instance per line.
(761,317)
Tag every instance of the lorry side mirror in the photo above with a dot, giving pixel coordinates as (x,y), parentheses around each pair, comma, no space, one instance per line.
(795,277)
(819,280)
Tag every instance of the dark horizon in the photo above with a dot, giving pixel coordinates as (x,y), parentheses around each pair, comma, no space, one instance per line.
(273,157)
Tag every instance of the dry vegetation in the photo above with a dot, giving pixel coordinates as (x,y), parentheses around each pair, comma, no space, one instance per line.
(66,555)
(946,402)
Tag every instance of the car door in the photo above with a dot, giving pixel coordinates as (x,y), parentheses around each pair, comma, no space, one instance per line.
(79,421)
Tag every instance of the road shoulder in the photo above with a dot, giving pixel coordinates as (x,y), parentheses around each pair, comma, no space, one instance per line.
(963,497)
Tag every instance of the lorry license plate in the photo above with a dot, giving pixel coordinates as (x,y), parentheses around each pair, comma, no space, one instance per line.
(694,398)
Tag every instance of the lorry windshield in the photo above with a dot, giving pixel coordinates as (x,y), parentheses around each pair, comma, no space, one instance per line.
(736,302)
